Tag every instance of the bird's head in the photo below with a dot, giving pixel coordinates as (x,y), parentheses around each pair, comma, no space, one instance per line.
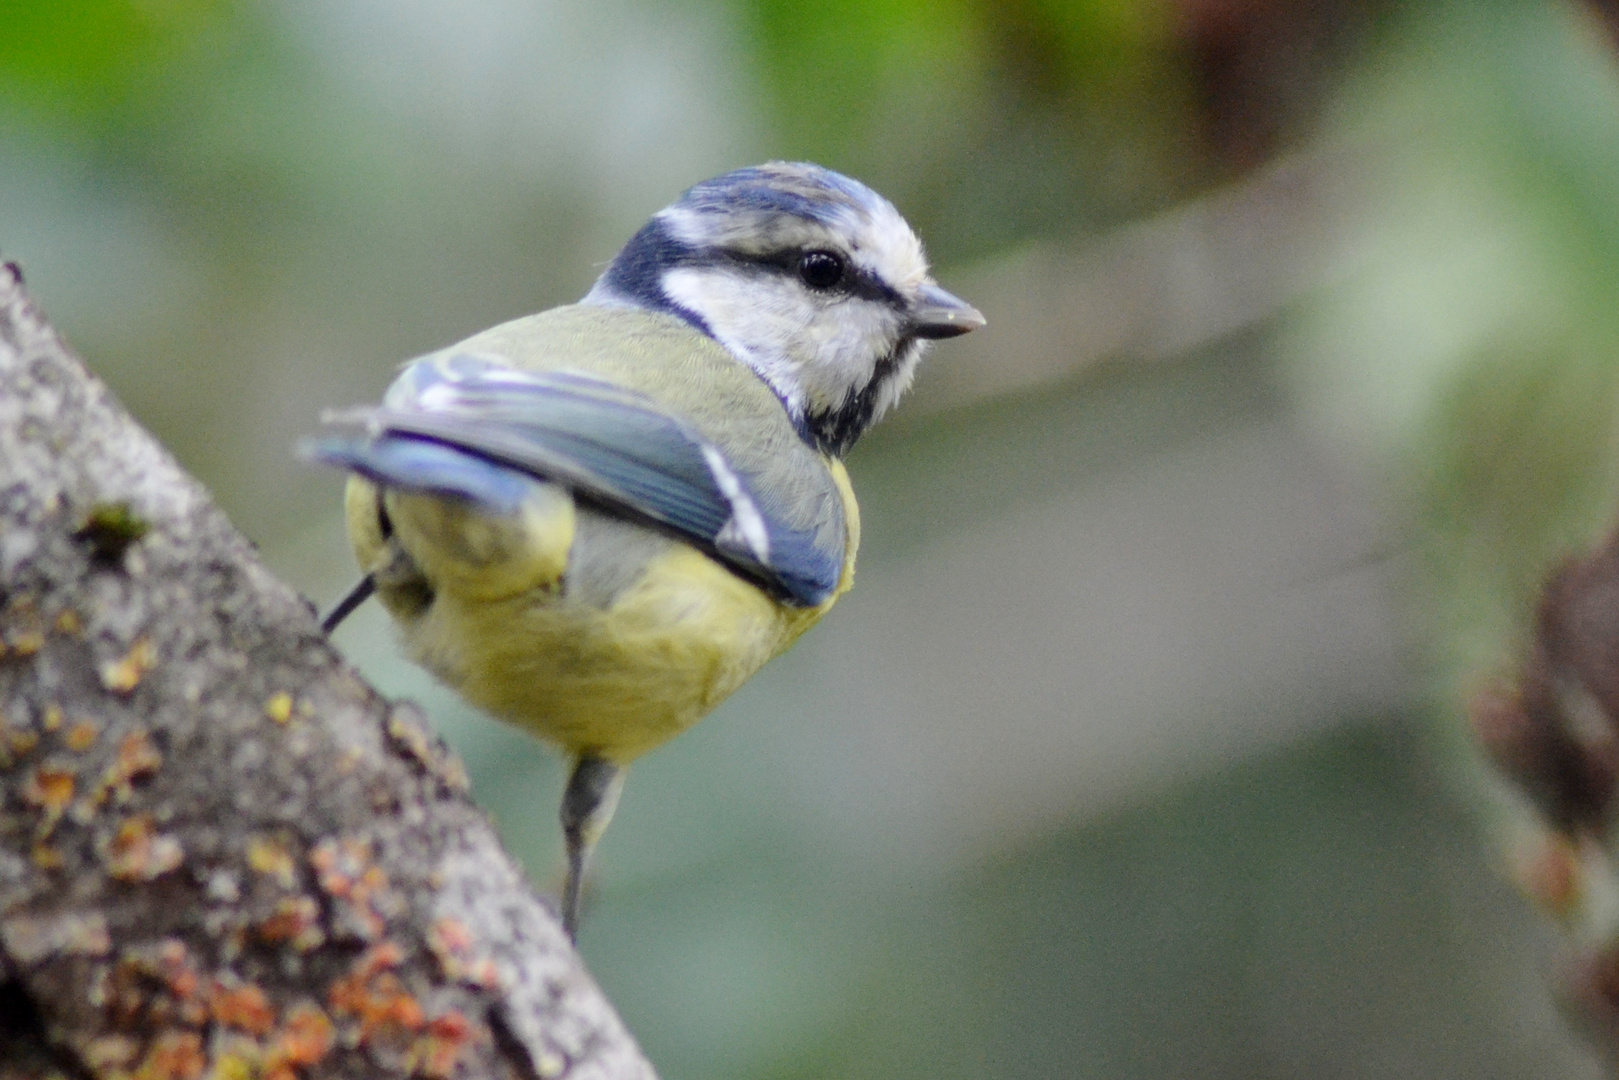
(810,278)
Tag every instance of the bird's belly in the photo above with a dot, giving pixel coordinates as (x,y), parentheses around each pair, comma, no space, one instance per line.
(616,679)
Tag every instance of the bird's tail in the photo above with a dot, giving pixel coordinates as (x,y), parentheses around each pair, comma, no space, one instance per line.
(414,464)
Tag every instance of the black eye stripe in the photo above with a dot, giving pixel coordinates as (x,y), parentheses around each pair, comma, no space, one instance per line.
(857,281)
(637,272)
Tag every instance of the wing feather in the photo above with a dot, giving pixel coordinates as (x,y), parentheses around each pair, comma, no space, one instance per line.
(461,423)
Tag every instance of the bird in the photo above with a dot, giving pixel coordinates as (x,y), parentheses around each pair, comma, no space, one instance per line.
(597,521)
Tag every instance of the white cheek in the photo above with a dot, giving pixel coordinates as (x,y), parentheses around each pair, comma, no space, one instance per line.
(759,320)
(846,342)
(813,350)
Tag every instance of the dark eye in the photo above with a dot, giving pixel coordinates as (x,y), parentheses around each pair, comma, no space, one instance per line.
(820,269)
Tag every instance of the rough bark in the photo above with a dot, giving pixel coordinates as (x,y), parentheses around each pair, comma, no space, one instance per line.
(221,853)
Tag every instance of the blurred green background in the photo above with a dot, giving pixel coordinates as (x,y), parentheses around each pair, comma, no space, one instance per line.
(1135,753)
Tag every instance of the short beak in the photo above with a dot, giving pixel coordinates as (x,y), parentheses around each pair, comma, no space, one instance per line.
(938,314)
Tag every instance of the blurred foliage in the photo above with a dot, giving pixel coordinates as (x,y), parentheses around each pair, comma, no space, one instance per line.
(78,63)
(246,210)
(1472,354)
(990,123)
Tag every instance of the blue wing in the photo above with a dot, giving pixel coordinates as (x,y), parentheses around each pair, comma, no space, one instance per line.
(465,426)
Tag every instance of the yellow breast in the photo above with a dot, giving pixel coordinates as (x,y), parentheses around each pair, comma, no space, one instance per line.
(498,608)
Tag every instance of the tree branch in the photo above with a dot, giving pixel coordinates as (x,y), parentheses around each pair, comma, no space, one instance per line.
(221,853)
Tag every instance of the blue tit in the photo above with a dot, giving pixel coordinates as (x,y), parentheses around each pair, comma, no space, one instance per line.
(598,521)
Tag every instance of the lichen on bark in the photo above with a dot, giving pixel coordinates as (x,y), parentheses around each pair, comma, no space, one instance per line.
(221,853)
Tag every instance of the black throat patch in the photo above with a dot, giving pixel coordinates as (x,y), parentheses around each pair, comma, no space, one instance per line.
(835,431)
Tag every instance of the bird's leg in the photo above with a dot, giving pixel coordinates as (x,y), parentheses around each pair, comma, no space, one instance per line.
(587,806)
(352,599)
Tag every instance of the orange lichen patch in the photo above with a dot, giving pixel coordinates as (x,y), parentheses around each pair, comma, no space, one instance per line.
(243,1007)
(279,707)
(305,1038)
(27,642)
(436,761)
(412,737)
(436,1053)
(338,862)
(373,994)
(68,622)
(183,982)
(175,1055)
(47,858)
(52,718)
(449,937)
(388,1006)
(377,959)
(14,744)
(273,857)
(483,974)
(18,742)
(452,946)
(296,921)
(344,870)
(81,736)
(180,976)
(51,790)
(25,635)
(137,757)
(156,986)
(138,852)
(123,675)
